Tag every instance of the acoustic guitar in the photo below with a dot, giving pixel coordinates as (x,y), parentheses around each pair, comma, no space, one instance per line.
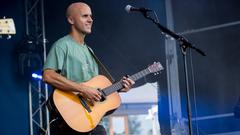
(83,117)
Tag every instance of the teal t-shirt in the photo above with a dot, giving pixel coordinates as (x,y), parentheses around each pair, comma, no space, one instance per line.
(74,61)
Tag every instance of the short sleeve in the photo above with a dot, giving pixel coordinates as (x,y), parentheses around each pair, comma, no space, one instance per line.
(55,59)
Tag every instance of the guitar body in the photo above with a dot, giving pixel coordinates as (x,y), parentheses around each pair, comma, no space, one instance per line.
(74,113)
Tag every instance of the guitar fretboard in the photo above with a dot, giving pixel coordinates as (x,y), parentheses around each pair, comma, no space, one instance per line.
(117,86)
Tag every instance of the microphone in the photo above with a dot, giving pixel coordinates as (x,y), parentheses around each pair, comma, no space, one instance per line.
(130,8)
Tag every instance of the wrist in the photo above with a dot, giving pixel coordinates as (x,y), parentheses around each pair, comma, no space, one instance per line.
(80,88)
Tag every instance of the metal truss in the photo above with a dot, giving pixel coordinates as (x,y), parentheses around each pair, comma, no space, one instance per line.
(38,91)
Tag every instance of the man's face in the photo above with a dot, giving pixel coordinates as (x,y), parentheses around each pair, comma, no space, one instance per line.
(82,20)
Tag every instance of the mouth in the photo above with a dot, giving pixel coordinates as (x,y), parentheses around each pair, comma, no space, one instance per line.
(89,25)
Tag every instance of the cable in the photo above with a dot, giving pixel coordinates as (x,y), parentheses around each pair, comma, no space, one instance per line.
(50,124)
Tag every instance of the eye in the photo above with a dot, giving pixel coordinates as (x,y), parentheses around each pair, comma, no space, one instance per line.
(91,16)
(85,16)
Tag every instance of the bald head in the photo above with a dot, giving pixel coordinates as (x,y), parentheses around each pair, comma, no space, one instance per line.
(76,8)
(79,16)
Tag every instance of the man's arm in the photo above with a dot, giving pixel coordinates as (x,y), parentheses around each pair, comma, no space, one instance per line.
(51,77)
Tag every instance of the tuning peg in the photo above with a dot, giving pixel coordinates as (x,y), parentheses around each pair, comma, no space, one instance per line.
(156,73)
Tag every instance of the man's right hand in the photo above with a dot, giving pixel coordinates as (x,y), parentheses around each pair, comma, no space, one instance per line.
(53,78)
(90,94)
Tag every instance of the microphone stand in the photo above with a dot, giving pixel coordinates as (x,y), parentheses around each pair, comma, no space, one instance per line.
(184,44)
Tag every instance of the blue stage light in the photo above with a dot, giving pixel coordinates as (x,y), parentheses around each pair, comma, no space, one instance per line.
(36,76)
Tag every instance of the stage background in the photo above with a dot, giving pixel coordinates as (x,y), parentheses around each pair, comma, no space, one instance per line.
(126,43)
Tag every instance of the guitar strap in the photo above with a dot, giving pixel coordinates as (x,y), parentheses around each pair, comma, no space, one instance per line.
(102,68)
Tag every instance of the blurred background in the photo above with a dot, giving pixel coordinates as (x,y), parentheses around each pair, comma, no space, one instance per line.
(127,43)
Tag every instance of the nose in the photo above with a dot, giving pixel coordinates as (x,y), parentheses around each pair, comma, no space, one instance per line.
(90,19)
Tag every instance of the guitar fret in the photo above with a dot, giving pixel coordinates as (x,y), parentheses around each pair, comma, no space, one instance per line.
(140,74)
(113,88)
(117,86)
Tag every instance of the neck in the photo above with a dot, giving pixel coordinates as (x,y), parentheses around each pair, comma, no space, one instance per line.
(78,37)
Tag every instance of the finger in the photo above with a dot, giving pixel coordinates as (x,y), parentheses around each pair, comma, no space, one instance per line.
(126,82)
(99,94)
(91,102)
(97,98)
(125,86)
(127,76)
(130,80)
(124,90)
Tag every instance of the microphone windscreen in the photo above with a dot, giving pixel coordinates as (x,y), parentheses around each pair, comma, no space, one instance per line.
(128,8)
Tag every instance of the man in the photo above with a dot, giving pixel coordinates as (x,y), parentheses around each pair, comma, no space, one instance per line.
(70,62)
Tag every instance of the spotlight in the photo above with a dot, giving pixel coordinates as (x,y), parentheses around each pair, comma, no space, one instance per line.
(36,76)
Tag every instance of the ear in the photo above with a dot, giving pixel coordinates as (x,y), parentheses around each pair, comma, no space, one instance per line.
(70,20)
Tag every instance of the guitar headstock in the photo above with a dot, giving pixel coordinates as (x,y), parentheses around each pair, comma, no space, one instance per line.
(155,67)
(7,27)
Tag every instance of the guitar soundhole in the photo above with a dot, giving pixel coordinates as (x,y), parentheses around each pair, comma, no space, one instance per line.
(102,99)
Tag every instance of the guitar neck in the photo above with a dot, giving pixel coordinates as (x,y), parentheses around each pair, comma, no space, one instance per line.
(118,85)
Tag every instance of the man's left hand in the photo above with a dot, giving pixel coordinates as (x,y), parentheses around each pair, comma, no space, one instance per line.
(127,84)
